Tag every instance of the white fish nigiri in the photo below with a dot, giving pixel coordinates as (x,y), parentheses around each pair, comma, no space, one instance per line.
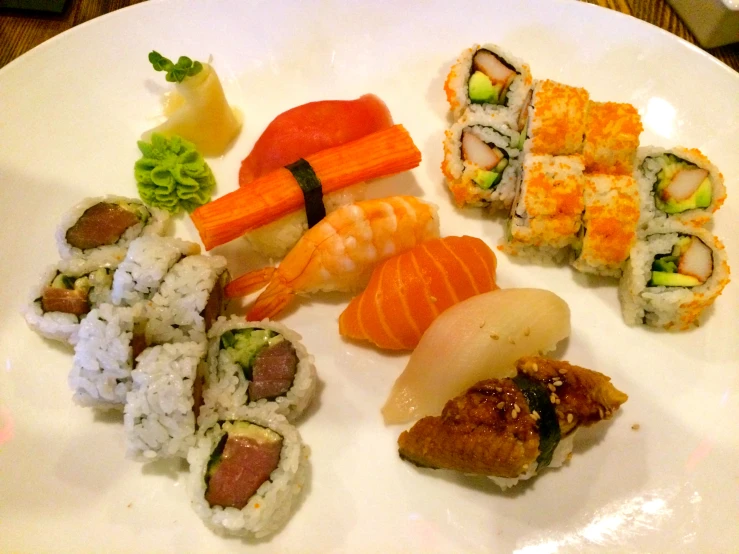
(479,338)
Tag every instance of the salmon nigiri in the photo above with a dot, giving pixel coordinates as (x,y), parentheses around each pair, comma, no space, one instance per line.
(408,291)
(310,128)
(340,252)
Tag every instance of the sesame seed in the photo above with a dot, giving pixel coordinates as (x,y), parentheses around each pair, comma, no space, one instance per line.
(600,412)
(500,405)
(498,389)
(433,299)
(511,340)
(569,418)
(525,467)
(562,371)
(553,398)
(494,336)
(515,407)
(635,427)
(551,387)
(557,401)
(558,383)
(514,415)
(482,325)
(526,332)
(535,367)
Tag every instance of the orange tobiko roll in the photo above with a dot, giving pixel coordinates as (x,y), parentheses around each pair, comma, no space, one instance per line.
(408,291)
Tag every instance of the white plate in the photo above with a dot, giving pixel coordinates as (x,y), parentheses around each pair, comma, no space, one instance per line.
(70,114)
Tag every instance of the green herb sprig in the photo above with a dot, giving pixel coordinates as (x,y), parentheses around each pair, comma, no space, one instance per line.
(176,72)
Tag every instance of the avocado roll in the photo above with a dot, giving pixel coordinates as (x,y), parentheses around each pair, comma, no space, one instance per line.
(189,300)
(97,231)
(546,215)
(611,138)
(673,274)
(159,416)
(678,184)
(146,264)
(247,474)
(259,364)
(487,79)
(109,340)
(555,119)
(609,225)
(481,161)
(62,298)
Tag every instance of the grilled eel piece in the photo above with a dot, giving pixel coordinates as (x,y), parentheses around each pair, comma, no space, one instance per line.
(501,427)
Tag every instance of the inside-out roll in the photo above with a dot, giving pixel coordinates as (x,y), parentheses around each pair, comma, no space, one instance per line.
(481,161)
(679,184)
(673,274)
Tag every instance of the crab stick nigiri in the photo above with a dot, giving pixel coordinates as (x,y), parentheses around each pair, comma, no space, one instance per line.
(340,252)
(408,291)
(310,128)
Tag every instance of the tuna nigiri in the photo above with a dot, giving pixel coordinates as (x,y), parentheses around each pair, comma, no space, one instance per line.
(339,253)
(479,338)
(408,291)
(310,128)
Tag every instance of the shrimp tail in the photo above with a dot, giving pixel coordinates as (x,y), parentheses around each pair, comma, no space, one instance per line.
(249,282)
(271,302)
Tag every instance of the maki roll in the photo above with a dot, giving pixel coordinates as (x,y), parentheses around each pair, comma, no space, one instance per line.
(162,405)
(110,338)
(63,298)
(673,274)
(260,364)
(511,429)
(489,80)
(189,300)
(481,161)
(609,225)
(611,138)
(555,119)
(147,262)
(679,184)
(247,474)
(547,214)
(97,231)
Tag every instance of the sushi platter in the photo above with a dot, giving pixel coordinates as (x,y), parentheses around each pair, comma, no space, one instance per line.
(384,282)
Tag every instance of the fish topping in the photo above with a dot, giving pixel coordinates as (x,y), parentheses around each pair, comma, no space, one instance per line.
(101,225)
(273,371)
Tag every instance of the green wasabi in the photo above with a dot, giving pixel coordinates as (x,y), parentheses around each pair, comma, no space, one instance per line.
(172,174)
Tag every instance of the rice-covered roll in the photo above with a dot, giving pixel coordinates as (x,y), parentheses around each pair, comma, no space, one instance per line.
(609,225)
(247,474)
(547,214)
(673,274)
(189,300)
(611,138)
(481,161)
(61,299)
(147,262)
(555,119)
(679,184)
(109,340)
(276,239)
(162,405)
(489,80)
(259,364)
(97,231)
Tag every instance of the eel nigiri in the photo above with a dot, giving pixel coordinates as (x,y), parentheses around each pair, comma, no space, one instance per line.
(509,429)
(310,128)
(408,291)
(479,338)
(339,253)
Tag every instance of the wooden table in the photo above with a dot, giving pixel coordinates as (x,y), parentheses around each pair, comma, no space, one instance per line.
(21,31)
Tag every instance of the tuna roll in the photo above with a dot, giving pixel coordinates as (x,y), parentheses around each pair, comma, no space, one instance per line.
(673,274)
(160,411)
(680,185)
(547,214)
(257,364)
(481,161)
(189,300)
(247,474)
(609,225)
(488,80)
(62,299)
(97,231)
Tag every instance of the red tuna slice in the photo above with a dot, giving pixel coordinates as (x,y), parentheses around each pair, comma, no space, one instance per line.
(100,225)
(310,128)
(273,371)
(246,464)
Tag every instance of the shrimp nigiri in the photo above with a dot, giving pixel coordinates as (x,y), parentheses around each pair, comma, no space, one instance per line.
(408,291)
(339,253)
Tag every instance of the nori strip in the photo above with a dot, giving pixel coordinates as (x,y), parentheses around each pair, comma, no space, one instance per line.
(310,184)
(549,433)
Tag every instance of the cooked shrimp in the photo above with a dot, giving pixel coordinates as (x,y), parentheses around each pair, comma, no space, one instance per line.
(339,253)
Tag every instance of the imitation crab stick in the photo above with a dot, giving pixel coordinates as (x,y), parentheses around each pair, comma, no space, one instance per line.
(278,193)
